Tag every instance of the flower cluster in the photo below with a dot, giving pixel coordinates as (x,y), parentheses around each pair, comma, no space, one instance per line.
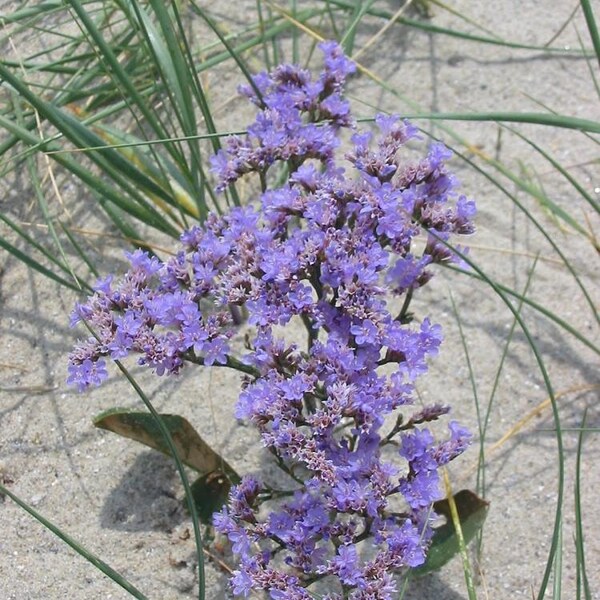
(328,248)
(299,119)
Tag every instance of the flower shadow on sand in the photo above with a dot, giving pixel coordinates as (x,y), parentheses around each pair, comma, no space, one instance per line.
(147,497)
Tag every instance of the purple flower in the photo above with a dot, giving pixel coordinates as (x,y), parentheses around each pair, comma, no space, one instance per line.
(422,489)
(408,273)
(215,351)
(337,247)
(87,373)
(242,583)
(298,120)
(365,333)
(143,263)
(346,565)
(460,439)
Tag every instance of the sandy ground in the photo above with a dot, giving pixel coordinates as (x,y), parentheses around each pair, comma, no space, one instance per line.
(124,502)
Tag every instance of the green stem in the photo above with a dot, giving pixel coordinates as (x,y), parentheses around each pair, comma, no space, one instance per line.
(232,363)
(402,317)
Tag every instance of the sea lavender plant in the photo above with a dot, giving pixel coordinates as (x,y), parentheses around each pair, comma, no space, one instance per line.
(329,247)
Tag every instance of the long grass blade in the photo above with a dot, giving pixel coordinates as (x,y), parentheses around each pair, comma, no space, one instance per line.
(347,41)
(531,217)
(166,51)
(555,414)
(592,27)
(558,565)
(590,67)
(466,563)
(536,306)
(550,120)
(40,9)
(191,504)
(110,162)
(203,103)
(80,251)
(583,584)
(117,71)
(42,202)
(231,51)
(89,556)
(481,481)
(471,371)
(32,243)
(209,63)
(435,29)
(580,189)
(37,266)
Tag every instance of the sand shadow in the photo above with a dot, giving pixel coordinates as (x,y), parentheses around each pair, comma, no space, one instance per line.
(146,498)
(430,586)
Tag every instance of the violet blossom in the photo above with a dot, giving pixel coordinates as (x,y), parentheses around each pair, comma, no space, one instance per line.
(330,247)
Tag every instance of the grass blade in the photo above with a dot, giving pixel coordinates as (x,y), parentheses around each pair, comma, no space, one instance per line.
(231,51)
(467,569)
(108,160)
(555,414)
(534,221)
(191,504)
(481,481)
(89,556)
(42,203)
(122,79)
(165,49)
(347,41)
(80,251)
(550,120)
(538,307)
(32,243)
(592,27)
(582,191)
(558,566)
(34,11)
(583,585)
(435,29)
(34,264)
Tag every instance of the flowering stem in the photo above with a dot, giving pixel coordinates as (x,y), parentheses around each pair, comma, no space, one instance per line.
(182,475)
(397,427)
(238,313)
(263,181)
(232,363)
(313,334)
(315,281)
(404,317)
(281,464)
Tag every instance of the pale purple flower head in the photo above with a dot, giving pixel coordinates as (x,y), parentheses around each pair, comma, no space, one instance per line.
(330,246)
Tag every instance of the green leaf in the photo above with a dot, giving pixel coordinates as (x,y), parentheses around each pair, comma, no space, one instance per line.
(210,494)
(472,511)
(191,448)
